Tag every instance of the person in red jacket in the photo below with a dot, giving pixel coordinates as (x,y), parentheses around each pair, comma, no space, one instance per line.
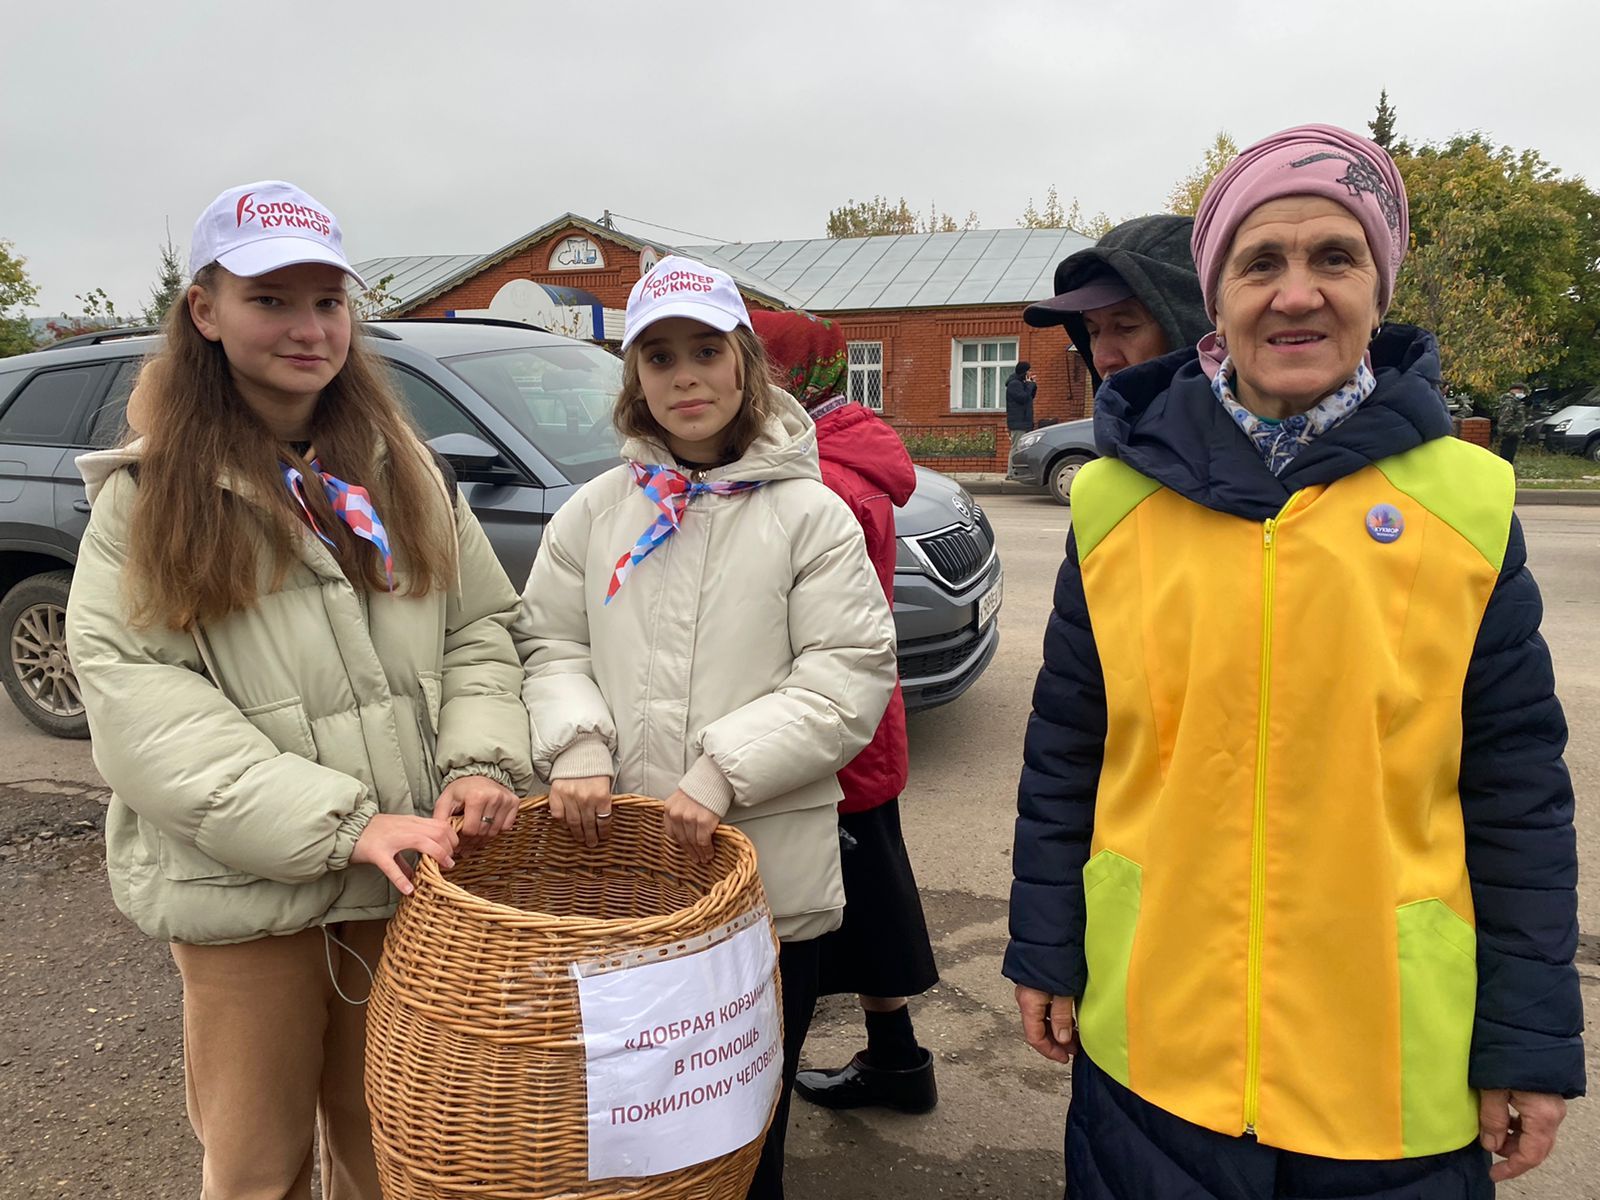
(882,952)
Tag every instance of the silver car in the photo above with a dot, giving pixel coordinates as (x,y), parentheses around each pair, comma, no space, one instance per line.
(523,415)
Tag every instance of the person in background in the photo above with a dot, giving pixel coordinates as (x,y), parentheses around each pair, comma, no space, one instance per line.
(1512,419)
(1295,867)
(1132,296)
(881,953)
(1021,387)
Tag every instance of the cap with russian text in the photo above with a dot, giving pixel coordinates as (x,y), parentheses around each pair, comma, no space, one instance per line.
(259,227)
(681,287)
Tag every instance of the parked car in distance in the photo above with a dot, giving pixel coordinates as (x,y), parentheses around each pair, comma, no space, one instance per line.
(1575,429)
(1051,456)
(946,562)
(1542,405)
(524,417)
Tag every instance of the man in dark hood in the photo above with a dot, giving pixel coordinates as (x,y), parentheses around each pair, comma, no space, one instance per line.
(1133,296)
(1020,389)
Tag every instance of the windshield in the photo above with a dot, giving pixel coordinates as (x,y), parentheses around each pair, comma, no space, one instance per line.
(560,397)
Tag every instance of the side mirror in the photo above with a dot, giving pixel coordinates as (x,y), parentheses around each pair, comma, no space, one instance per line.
(474,460)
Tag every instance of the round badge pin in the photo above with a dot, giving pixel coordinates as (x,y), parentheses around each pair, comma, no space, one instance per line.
(1385,523)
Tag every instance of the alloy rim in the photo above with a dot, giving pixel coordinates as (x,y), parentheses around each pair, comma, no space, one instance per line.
(40,661)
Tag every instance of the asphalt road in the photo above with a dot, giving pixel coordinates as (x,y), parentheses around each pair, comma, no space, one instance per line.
(90,1042)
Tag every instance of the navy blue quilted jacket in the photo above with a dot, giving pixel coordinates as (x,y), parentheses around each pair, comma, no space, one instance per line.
(1162,419)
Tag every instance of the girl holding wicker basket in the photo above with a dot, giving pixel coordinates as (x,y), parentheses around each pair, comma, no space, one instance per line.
(293,642)
(738,652)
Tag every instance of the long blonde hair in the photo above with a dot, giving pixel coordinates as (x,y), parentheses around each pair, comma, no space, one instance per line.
(632,418)
(195,543)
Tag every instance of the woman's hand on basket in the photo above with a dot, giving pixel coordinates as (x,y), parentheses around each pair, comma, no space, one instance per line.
(389,835)
(486,808)
(690,824)
(585,805)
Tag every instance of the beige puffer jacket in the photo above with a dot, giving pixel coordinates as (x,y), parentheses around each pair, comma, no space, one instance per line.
(745,661)
(244,774)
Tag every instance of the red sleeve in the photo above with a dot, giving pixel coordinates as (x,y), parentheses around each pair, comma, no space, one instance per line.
(876,514)
(874,510)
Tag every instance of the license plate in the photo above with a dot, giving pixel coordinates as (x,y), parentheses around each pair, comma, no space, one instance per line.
(989,603)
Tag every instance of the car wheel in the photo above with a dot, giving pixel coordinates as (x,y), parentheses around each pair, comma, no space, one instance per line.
(1592,450)
(38,673)
(1062,473)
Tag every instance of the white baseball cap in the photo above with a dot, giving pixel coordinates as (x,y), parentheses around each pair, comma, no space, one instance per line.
(260,227)
(681,287)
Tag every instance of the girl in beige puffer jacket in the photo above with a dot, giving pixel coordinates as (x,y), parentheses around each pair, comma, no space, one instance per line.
(740,650)
(293,643)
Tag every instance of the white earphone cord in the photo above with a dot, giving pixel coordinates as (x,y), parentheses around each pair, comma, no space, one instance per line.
(329,941)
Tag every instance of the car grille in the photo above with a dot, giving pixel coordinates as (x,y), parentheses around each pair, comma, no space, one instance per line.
(958,555)
(915,664)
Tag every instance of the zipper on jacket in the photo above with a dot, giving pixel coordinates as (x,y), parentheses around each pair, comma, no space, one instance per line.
(1258,835)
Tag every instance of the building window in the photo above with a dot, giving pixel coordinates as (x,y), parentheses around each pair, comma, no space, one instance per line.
(866,374)
(978,373)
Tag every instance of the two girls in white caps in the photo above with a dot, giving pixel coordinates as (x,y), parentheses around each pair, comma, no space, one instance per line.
(706,628)
(294,646)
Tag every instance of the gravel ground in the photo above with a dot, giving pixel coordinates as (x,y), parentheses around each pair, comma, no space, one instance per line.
(90,1019)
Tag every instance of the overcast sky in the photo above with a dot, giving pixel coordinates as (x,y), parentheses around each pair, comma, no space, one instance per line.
(453,128)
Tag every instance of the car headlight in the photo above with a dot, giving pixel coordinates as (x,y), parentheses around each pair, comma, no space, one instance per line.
(905,558)
(1562,427)
(1026,440)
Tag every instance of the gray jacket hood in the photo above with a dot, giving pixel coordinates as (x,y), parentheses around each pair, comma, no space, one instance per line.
(1152,256)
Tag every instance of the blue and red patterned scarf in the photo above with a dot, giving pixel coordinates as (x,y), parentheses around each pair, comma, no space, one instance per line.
(670,490)
(1278,442)
(351,503)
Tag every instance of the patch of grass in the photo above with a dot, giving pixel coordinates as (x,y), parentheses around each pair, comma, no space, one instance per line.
(1540,469)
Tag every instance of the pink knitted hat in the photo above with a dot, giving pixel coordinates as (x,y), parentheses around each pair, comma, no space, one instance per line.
(1308,160)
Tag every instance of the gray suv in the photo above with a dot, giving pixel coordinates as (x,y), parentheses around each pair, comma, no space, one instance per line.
(523,415)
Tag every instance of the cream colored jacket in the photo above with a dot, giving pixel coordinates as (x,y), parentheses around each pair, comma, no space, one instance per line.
(745,661)
(245,761)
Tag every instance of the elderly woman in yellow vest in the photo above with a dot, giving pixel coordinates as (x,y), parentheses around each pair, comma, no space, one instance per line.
(1295,864)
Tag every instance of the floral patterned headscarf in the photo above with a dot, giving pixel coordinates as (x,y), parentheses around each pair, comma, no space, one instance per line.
(807,353)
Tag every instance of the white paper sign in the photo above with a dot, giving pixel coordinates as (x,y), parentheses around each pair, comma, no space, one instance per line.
(685,1056)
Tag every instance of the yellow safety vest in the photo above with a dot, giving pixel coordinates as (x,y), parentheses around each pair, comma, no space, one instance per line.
(1280,931)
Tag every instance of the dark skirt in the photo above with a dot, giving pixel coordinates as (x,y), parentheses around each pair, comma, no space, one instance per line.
(882,949)
(797,972)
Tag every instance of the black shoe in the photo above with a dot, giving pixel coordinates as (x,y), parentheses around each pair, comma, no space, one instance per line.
(860,1085)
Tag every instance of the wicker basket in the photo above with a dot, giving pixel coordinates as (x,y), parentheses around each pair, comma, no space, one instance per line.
(475,1058)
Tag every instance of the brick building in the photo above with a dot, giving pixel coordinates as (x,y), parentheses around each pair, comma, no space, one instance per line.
(934,321)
